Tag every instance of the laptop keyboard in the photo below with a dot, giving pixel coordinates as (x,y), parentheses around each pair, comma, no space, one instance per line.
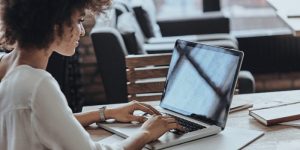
(187,125)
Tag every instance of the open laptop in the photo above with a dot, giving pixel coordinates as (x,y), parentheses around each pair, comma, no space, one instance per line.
(198,93)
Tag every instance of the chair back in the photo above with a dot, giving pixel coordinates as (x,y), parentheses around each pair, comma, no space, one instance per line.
(110,53)
(146,75)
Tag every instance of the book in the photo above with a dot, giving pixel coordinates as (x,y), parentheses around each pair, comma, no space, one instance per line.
(239,107)
(277,114)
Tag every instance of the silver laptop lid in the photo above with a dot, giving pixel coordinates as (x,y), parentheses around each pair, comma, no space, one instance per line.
(201,81)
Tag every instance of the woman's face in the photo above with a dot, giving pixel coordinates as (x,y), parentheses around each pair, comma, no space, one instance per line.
(70,39)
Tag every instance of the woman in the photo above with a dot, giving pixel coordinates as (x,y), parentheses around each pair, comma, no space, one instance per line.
(33,111)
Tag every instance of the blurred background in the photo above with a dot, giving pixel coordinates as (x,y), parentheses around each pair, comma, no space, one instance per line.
(96,74)
(271,50)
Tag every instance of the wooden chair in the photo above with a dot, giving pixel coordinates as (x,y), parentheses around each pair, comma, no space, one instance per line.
(146,76)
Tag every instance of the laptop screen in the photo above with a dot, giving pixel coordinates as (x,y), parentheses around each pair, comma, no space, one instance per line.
(201,81)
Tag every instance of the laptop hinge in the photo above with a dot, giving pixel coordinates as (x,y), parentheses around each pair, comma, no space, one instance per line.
(203,119)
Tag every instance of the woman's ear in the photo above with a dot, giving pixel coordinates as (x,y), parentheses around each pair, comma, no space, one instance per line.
(57,38)
(55,28)
(56,32)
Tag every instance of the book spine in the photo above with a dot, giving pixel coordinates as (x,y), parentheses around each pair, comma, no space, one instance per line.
(260,119)
(284,119)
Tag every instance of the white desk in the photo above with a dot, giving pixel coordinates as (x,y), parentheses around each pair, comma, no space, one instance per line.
(274,135)
(287,8)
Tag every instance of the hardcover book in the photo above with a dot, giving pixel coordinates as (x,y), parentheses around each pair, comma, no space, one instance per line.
(277,114)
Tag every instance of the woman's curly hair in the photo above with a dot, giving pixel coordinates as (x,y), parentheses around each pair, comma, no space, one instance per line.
(31,23)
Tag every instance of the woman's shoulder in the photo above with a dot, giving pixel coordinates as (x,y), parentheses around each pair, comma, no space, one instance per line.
(22,83)
(34,72)
(26,75)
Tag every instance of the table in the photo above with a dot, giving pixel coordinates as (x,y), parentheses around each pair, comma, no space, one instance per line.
(285,9)
(274,135)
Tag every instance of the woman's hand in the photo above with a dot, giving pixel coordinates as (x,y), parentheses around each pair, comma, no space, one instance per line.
(125,112)
(151,130)
(157,125)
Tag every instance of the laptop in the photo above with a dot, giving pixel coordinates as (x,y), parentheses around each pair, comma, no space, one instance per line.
(198,92)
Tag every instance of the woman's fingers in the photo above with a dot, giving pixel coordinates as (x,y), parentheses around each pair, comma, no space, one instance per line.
(152,108)
(139,106)
(170,119)
(172,123)
(175,125)
(137,118)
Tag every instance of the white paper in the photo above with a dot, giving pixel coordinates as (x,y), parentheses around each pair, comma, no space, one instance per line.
(288,145)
